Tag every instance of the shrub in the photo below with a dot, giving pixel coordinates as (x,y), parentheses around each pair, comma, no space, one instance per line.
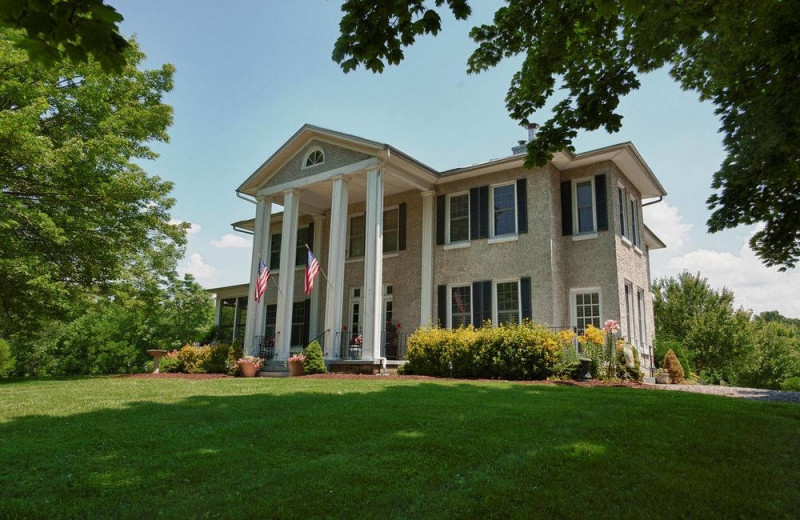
(235,352)
(315,361)
(674,367)
(7,361)
(216,361)
(521,351)
(193,360)
(169,362)
(791,384)
(662,345)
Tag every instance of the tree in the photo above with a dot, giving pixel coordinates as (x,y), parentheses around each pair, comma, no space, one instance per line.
(742,56)
(67,29)
(717,336)
(79,218)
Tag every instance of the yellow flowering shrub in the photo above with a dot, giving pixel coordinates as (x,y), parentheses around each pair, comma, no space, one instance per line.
(520,351)
(593,335)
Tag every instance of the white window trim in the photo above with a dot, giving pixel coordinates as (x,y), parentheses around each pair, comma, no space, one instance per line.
(492,234)
(495,320)
(642,323)
(630,309)
(308,154)
(624,232)
(447,240)
(390,254)
(396,207)
(635,223)
(575,223)
(450,301)
(350,218)
(355,299)
(573,302)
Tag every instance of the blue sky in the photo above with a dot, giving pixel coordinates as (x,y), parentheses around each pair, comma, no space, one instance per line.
(249,76)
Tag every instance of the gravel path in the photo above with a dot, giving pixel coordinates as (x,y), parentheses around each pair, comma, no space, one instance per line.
(754,394)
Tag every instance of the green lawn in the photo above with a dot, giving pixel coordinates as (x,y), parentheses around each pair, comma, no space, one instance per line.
(304,448)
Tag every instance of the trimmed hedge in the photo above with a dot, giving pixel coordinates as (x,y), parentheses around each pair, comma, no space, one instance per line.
(315,361)
(522,351)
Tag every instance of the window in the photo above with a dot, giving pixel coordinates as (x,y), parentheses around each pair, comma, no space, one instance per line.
(270,319)
(227,315)
(634,220)
(458,211)
(298,324)
(623,213)
(391,233)
(460,306)
(391,230)
(504,207)
(507,301)
(355,311)
(629,312)
(314,158)
(586,308)
(640,309)
(241,318)
(583,203)
(303,237)
(357,231)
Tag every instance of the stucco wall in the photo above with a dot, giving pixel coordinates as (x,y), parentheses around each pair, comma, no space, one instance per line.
(335,157)
(529,255)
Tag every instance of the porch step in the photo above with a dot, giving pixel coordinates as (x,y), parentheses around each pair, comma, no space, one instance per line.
(649,380)
(274,373)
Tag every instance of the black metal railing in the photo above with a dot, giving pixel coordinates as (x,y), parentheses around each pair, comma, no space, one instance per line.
(394,345)
(350,345)
(265,346)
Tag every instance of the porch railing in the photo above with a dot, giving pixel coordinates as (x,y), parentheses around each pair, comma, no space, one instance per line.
(394,345)
(351,347)
(265,346)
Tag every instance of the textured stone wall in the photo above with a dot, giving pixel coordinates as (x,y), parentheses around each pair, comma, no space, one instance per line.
(335,157)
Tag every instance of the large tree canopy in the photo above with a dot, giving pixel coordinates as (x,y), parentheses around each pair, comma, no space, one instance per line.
(742,56)
(79,218)
(72,29)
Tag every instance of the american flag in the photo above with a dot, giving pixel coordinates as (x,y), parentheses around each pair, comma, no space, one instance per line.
(312,271)
(459,303)
(261,281)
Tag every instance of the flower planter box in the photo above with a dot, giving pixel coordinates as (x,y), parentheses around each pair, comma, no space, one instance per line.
(248,369)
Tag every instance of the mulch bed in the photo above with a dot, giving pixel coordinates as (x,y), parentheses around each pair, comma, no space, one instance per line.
(170,375)
(394,377)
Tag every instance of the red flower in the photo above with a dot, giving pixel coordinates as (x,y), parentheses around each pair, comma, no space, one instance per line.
(398,325)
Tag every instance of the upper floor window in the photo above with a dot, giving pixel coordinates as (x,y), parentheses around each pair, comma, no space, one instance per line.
(458,218)
(634,222)
(623,213)
(584,217)
(303,236)
(314,158)
(391,233)
(504,209)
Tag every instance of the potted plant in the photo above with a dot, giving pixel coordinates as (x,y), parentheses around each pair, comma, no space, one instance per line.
(296,365)
(662,377)
(356,345)
(249,365)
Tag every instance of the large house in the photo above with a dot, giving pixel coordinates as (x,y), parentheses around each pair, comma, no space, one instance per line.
(403,245)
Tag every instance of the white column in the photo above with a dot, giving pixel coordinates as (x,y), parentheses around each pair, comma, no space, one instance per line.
(319,283)
(373,264)
(283,323)
(334,295)
(255,311)
(426,277)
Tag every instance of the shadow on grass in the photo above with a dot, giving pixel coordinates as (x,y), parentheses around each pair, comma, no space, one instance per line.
(422,450)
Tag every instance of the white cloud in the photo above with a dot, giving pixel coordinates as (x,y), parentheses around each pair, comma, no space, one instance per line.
(204,273)
(667,224)
(231,241)
(193,228)
(755,286)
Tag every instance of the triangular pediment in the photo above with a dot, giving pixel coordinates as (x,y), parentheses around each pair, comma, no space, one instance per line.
(333,157)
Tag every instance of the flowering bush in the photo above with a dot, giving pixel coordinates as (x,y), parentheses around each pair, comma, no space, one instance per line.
(592,335)
(297,359)
(254,360)
(519,351)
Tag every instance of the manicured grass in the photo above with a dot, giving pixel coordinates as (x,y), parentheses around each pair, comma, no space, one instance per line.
(306,448)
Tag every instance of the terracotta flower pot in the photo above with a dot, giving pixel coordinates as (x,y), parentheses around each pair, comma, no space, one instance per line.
(296,369)
(248,369)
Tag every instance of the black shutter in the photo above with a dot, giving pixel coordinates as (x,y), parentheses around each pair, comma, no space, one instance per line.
(600,204)
(441,305)
(440,220)
(484,211)
(306,320)
(311,236)
(401,238)
(477,306)
(474,214)
(522,205)
(486,300)
(566,208)
(525,293)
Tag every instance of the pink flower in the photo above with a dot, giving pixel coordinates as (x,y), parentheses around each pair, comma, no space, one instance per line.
(398,325)
(611,326)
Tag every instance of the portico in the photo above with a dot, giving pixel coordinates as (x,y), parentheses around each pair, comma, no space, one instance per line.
(328,177)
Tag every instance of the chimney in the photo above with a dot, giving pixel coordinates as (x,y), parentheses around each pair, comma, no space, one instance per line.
(521,144)
(532,128)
